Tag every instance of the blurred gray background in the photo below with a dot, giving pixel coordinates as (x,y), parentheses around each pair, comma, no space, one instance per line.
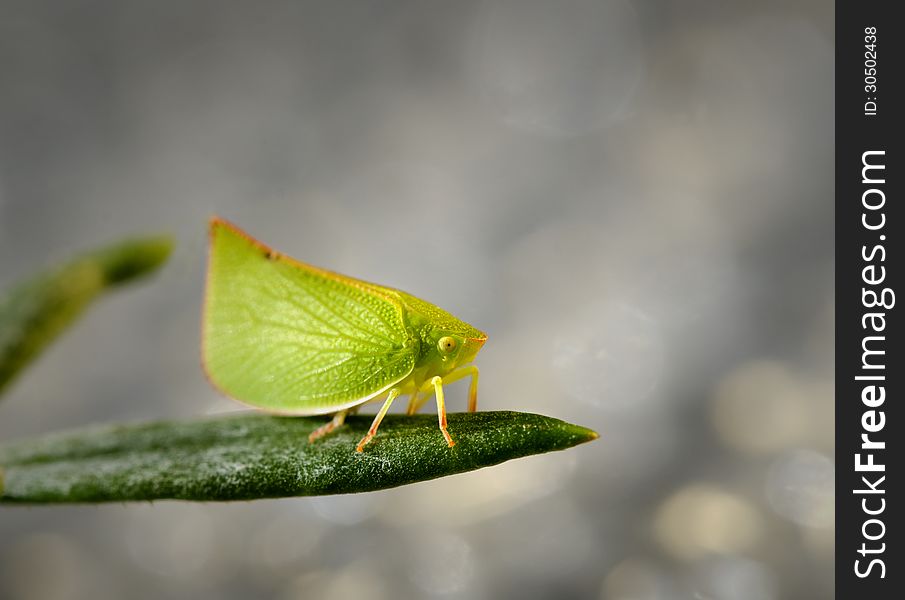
(634,199)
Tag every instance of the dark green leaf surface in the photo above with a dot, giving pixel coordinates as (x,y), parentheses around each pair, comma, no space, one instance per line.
(33,313)
(260,456)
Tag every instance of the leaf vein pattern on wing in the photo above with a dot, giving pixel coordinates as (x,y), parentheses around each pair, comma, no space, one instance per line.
(324,369)
(293,382)
(349,299)
(285,297)
(361,305)
(283,358)
(255,314)
(280,325)
(360,385)
(283,373)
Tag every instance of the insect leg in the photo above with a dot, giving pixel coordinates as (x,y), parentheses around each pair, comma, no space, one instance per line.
(420,397)
(414,403)
(437,382)
(338,419)
(383,411)
(472,389)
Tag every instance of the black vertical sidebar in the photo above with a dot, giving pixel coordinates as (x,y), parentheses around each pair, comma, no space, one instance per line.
(870,371)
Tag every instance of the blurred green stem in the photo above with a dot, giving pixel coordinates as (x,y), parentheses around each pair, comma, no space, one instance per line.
(36,311)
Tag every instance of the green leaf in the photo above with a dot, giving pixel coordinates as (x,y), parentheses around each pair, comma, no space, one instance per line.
(36,311)
(253,455)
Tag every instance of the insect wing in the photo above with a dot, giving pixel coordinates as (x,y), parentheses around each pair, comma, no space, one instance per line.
(294,339)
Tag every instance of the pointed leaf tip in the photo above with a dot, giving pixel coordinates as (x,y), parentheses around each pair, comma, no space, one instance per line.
(584,434)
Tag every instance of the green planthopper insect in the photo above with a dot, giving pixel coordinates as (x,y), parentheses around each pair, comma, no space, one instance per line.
(293,339)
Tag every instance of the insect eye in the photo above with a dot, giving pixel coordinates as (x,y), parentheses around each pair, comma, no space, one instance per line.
(447,344)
